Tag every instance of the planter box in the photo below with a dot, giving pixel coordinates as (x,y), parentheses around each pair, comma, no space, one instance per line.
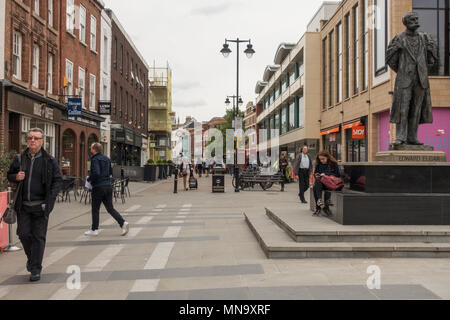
(150,173)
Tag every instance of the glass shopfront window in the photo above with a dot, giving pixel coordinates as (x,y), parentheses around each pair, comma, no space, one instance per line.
(356,148)
(333,144)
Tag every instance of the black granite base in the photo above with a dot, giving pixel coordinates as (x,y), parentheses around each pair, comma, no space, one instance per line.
(397,177)
(359,208)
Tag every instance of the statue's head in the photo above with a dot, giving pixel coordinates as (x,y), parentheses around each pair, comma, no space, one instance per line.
(411,21)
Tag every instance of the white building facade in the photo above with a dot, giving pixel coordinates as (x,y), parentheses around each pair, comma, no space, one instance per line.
(105,79)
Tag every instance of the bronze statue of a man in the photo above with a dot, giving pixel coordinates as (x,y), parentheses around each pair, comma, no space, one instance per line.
(410,54)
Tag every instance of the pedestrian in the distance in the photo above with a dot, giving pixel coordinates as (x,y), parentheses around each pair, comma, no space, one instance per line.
(207,163)
(326,165)
(283,166)
(40,181)
(303,168)
(185,167)
(100,179)
(199,167)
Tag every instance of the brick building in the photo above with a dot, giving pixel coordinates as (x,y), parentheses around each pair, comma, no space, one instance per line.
(129,99)
(80,77)
(29,73)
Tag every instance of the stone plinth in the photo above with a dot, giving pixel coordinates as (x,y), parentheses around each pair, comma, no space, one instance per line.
(410,147)
(405,156)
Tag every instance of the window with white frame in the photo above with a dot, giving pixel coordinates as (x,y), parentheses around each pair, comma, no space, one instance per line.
(70,16)
(82,86)
(17,55)
(36,6)
(26,126)
(49,138)
(50,13)
(93,33)
(105,53)
(35,73)
(92,83)
(82,24)
(381,36)
(50,74)
(339,62)
(69,77)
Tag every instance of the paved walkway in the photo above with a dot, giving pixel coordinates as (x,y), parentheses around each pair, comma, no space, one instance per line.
(196,245)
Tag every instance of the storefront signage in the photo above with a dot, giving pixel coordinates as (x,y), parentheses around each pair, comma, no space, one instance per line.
(129,139)
(104,108)
(359,132)
(352,125)
(41,110)
(333,137)
(335,130)
(74,107)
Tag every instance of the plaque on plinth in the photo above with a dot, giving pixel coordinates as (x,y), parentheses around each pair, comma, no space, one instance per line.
(404,156)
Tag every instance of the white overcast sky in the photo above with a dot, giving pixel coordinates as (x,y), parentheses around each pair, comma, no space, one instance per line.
(189,34)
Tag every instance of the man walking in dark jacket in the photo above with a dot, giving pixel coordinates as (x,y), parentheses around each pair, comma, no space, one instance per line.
(40,180)
(100,179)
(303,168)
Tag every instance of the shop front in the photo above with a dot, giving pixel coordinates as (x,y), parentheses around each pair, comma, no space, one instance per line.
(27,111)
(332,142)
(77,135)
(356,140)
(126,145)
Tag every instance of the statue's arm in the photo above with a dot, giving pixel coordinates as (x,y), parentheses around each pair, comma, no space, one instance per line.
(431,50)
(392,53)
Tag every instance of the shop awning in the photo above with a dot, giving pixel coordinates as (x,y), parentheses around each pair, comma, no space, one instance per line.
(352,125)
(334,130)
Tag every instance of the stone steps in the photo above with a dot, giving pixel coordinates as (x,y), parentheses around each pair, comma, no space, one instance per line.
(303,227)
(277,244)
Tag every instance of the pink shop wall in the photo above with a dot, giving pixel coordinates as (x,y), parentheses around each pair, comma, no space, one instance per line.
(436,134)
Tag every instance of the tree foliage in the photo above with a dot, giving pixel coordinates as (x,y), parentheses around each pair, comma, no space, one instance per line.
(6,159)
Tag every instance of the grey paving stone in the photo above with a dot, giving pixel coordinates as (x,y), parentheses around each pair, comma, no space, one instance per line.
(187,272)
(280,293)
(340,293)
(159,295)
(219,294)
(404,292)
(150,225)
(128,241)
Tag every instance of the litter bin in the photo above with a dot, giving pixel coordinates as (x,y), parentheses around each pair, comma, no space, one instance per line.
(218,180)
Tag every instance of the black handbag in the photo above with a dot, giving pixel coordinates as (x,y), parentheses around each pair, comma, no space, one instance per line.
(10,215)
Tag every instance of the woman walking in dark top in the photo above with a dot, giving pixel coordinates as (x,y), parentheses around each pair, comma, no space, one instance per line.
(326,165)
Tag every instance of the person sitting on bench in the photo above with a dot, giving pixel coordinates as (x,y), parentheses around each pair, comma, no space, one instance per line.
(326,165)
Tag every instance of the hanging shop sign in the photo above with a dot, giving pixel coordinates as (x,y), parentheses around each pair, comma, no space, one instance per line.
(359,132)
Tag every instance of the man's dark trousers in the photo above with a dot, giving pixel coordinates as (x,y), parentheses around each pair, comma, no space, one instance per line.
(32,231)
(303,183)
(103,195)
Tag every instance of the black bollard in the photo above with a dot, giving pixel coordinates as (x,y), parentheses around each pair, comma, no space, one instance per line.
(175,181)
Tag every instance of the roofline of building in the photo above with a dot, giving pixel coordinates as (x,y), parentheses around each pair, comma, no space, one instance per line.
(121,28)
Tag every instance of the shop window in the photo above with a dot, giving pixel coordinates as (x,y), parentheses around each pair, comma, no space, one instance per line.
(292,116)
(356,148)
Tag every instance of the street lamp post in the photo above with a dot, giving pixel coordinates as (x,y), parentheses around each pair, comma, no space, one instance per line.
(226,52)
